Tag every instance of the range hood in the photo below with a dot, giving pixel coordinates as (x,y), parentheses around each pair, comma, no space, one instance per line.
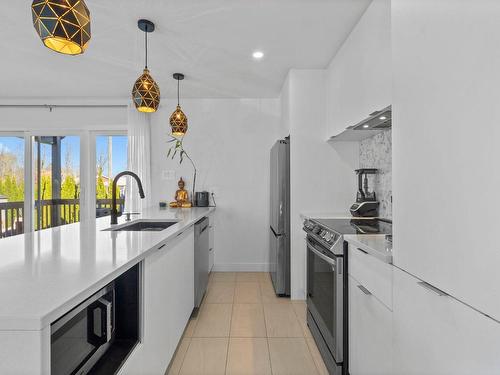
(375,123)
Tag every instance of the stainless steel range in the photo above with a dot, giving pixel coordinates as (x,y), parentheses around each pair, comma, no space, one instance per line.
(327,312)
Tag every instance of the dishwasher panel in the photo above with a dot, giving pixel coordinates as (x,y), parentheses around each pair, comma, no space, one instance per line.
(201,255)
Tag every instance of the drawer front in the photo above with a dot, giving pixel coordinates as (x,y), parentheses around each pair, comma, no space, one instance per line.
(372,273)
(370,333)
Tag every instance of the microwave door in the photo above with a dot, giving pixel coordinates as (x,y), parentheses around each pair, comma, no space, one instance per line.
(69,345)
(83,334)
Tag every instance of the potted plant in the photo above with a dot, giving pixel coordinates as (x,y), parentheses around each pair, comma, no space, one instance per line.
(178,149)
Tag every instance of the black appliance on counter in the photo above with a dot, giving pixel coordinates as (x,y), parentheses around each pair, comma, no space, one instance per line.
(366,202)
(202,199)
(97,335)
(327,283)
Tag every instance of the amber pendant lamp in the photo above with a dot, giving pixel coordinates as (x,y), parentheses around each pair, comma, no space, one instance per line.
(146,93)
(62,25)
(178,120)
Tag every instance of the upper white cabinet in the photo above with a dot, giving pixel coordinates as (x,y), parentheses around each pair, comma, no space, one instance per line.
(446,112)
(435,334)
(359,76)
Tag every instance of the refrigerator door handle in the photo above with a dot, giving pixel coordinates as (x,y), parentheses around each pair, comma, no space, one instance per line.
(281,208)
(275,234)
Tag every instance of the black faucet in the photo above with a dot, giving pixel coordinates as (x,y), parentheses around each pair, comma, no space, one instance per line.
(114,212)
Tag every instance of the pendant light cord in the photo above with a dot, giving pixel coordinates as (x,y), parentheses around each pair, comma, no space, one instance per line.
(178,101)
(146,43)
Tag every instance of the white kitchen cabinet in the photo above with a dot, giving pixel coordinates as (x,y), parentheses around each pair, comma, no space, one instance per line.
(168,300)
(372,273)
(439,335)
(211,234)
(359,79)
(370,332)
(445,176)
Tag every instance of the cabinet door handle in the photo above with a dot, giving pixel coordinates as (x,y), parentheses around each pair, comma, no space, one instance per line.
(363,251)
(364,290)
(428,286)
(180,234)
(162,246)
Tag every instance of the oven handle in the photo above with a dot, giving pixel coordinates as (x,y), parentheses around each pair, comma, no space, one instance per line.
(322,256)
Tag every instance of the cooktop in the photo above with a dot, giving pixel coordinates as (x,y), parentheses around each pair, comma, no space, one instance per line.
(357,226)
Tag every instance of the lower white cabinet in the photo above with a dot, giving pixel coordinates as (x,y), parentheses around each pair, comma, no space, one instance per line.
(370,332)
(168,300)
(436,334)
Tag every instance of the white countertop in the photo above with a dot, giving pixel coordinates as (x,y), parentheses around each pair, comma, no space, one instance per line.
(46,273)
(374,244)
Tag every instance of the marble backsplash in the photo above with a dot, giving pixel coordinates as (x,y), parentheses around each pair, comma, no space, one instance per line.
(376,152)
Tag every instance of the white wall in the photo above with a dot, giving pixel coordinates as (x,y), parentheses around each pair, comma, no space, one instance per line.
(446,60)
(322,177)
(230,141)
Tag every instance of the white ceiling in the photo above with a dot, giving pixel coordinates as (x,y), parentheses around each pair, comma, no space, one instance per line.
(211,41)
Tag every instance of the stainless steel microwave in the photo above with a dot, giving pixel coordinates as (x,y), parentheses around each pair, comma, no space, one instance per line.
(82,336)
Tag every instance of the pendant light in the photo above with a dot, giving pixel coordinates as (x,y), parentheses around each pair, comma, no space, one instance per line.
(146,93)
(178,120)
(63,25)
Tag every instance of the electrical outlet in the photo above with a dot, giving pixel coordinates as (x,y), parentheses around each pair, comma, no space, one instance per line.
(168,175)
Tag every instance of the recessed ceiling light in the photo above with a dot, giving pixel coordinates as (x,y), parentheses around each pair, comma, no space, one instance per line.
(257,55)
(383,118)
(366,126)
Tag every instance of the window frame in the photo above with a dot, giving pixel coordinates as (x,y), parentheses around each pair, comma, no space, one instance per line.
(87,167)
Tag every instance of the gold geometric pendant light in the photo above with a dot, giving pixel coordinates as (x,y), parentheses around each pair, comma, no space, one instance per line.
(63,25)
(146,92)
(178,120)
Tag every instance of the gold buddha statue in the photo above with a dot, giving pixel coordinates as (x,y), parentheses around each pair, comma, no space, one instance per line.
(181,196)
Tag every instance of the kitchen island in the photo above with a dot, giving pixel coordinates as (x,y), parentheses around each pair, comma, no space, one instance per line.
(45,274)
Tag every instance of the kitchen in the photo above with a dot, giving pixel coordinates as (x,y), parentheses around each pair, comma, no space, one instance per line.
(229,286)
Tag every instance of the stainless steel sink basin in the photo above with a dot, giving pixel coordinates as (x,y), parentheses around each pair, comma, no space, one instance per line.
(144,226)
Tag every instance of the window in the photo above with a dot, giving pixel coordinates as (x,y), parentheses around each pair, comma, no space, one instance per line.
(46,178)
(11,185)
(56,181)
(111,159)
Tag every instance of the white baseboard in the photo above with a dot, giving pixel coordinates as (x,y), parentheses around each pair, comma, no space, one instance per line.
(241,267)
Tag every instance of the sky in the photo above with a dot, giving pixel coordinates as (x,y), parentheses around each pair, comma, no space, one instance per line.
(72,143)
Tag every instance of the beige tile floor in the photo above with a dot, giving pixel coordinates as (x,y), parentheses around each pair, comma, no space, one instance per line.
(242,328)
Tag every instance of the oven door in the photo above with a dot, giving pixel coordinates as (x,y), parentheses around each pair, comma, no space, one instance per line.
(80,337)
(325,294)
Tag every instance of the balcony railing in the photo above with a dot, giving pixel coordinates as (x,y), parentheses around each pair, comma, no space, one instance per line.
(53,213)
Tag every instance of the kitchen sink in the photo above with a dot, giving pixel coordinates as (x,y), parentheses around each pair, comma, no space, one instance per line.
(143,226)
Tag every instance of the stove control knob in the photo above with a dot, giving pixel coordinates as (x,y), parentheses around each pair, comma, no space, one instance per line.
(328,237)
(316,229)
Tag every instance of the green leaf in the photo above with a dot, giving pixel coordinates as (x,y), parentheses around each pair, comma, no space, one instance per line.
(172,140)
(181,157)
(169,152)
(173,156)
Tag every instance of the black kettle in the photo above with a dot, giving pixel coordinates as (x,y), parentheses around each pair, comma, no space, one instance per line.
(202,199)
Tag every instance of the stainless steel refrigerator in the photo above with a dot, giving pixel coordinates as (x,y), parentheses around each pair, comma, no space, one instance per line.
(280,217)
